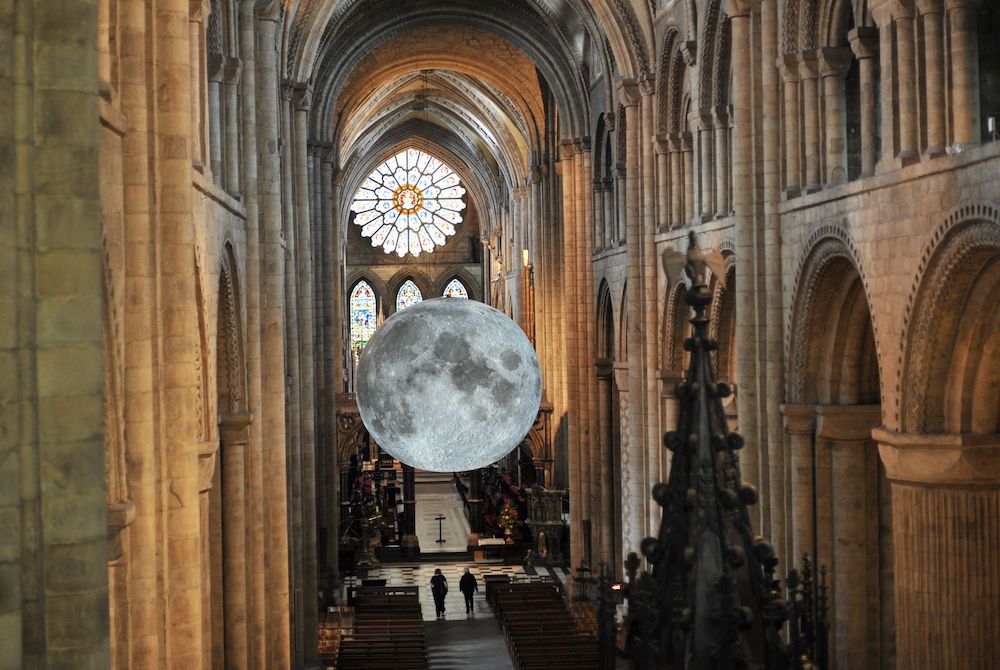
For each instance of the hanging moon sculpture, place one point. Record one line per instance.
(448, 385)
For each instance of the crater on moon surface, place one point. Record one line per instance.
(448, 384)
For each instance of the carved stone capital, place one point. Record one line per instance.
(799, 419)
(301, 97)
(232, 70)
(942, 459)
(738, 8)
(864, 42)
(628, 89)
(808, 65)
(834, 61)
(235, 428)
(847, 423)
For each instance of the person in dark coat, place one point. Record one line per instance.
(439, 589)
(468, 585)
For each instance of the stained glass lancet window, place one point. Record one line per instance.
(455, 289)
(364, 312)
(410, 204)
(408, 295)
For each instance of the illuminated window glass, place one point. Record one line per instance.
(455, 289)
(364, 312)
(410, 204)
(408, 295)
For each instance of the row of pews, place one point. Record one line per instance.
(539, 629)
(388, 631)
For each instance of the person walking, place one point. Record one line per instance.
(468, 585)
(439, 589)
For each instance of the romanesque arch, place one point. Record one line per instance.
(944, 461)
(950, 367)
(840, 497)
(224, 503)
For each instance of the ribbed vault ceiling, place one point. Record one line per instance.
(477, 83)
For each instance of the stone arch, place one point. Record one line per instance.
(605, 322)
(832, 348)
(230, 365)
(663, 74)
(621, 354)
(949, 367)
(675, 328)
(223, 505)
(722, 326)
(828, 243)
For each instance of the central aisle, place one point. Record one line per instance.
(463, 643)
(436, 494)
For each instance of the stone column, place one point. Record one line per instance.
(800, 425)
(410, 543)
(605, 442)
(771, 268)
(864, 43)
(140, 332)
(688, 151)
(179, 391)
(215, 66)
(255, 508)
(234, 434)
(706, 198)
(662, 186)
(670, 408)
(809, 74)
(854, 488)
(231, 77)
(633, 452)
(609, 213)
(272, 323)
(933, 52)
(650, 305)
(676, 182)
(722, 161)
(332, 321)
(833, 66)
(964, 42)
(906, 87)
(196, 66)
(790, 117)
(746, 321)
(302, 98)
(946, 539)
(620, 217)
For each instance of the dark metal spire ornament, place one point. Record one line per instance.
(710, 599)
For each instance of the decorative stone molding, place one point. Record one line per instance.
(943, 253)
(943, 459)
(823, 246)
(847, 423)
(798, 419)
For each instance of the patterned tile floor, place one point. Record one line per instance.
(419, 574)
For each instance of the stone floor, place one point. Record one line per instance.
(436, 494)
(463, 641)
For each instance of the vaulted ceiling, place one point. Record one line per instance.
(489, 85)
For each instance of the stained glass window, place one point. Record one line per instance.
(409, 204)
(364, 312)
(455, 289)
(408, 295)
